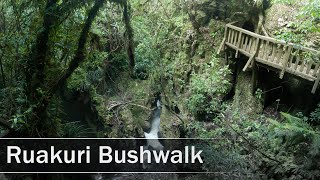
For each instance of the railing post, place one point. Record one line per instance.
(290, 53)
(285, 61)
(253, 56)
(254, 78)
(222, 46)
(316, 83)
(238, 44)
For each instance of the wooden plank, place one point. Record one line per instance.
(222, 45)
(278, 56)
(246, 43)
(297, 60)
(253, 56)
(302, 65)
(263, 48)
(268, 63)
(232, 35)
(316, 83)
(315, 69)
(245, 53)
(243, 41)
(260, 48)
(256, 35)
(285, 61)
(309, 67)
(296, 63)
(273, 52)
(269, 38)
(268, 49)
(268, 52)
(254, 67)
(238, 44)
(248, 63)
(250, 44)
(291, 62)
(236, 38)
(225, 32)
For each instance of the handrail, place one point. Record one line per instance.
(281, 55)
(271, 39)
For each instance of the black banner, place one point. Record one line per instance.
(98, 155)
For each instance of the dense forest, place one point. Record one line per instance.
(95, 68)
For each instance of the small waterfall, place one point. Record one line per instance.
(153, 135)
(152, 143)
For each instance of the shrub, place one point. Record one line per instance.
(208, 88)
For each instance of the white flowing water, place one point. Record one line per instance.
(153, 136)
(153, 143)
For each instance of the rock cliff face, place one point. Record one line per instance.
(244, 102)
(221, 10)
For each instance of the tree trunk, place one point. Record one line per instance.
(260, 22)
(80, 53)
(2, 73)
(35, 72)
(130, 50)
(38, 93)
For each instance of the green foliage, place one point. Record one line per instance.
(259, 94)
(173, 57)
(289, 2)
(220, 155)
(90, 74)
(223, 160)
(315, 116)
(208, 87)
(286, 148)
(146, 57)
(75, 130)
(310, 16)
(298, 145)
(289, 36)
(306, 22)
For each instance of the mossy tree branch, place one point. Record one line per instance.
(38, 93)
(129, 31)
(79, 56)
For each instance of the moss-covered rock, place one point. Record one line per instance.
(244, 102)
(126, 109)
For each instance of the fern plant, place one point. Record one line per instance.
(315, 116)
(298, 145)
(75, 130)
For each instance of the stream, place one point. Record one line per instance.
(152, 143)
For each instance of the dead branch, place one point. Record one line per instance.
(118, 104)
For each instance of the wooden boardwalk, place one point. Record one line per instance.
(281, 56)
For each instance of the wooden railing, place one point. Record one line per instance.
(285, 57)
